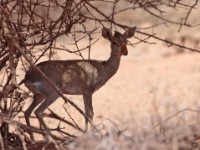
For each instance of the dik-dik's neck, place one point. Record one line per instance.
(113, 62)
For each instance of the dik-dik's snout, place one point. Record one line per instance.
(124, 50)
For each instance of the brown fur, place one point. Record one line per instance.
(78, 77)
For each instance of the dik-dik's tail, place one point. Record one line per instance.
(10, 88)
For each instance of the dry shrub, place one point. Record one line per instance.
(30, 31)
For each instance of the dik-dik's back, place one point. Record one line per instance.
(75, 77)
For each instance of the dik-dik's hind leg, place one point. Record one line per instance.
(87, 97)
(50, 98)
(37, 98)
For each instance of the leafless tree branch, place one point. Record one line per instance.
(30, 30)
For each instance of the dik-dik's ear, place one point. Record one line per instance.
(106, 33)
(130, 32)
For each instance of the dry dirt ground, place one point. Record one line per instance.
(154, 85)
(154, 93)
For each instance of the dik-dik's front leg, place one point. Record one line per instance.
(87, 97)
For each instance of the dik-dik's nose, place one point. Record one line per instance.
(124, 50)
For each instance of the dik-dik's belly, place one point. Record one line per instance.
(72, 89)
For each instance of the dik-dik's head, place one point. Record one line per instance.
(118, 39)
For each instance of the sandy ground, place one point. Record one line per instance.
(153, 82)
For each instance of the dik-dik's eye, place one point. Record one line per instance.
(115, 43)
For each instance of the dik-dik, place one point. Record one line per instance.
(75, 77)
